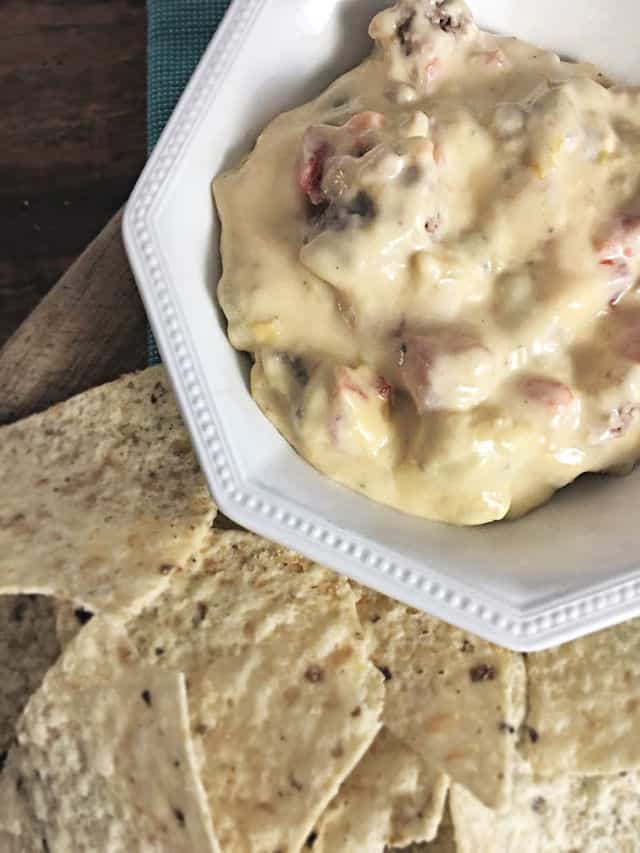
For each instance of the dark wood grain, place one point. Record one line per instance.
(72, 135)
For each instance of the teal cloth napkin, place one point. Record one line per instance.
(178, 33)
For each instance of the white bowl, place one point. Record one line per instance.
(562, 571)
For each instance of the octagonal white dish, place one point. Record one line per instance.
(569, 568)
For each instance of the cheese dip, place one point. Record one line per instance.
(434, 265)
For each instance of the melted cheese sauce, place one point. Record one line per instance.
(435, 266)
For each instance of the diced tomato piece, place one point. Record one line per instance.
(548, 392)
(621, 419)
(622, 243)
(320, 143)
(358, 420)
(383, 388)
(312, 171)
(616, 251)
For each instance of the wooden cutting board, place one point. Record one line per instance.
(89, 329)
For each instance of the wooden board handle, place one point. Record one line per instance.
(89, 329)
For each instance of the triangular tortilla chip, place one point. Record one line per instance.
(454, 698)
(28, 647)
(104, 760)
(391, 797)
(101, 497)
(584, 704)
(283, 698)
(560, 815)
(533, 822)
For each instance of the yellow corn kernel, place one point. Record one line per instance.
(266, 332)
(543, 166)
(538, 169)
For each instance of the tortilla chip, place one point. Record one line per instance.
(563, 815)
(103, 653)
(533, 822)
(584, 704)
(604, 814)
(101, 497)
(28, 647)
(105, 763)
(283, 699)
(444, 842)
(13, 844)
(391, 797)
(70, 620)
(475, 826)
(454, 698)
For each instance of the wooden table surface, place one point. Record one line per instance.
(72, 135)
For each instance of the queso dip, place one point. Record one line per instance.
(434, 265)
